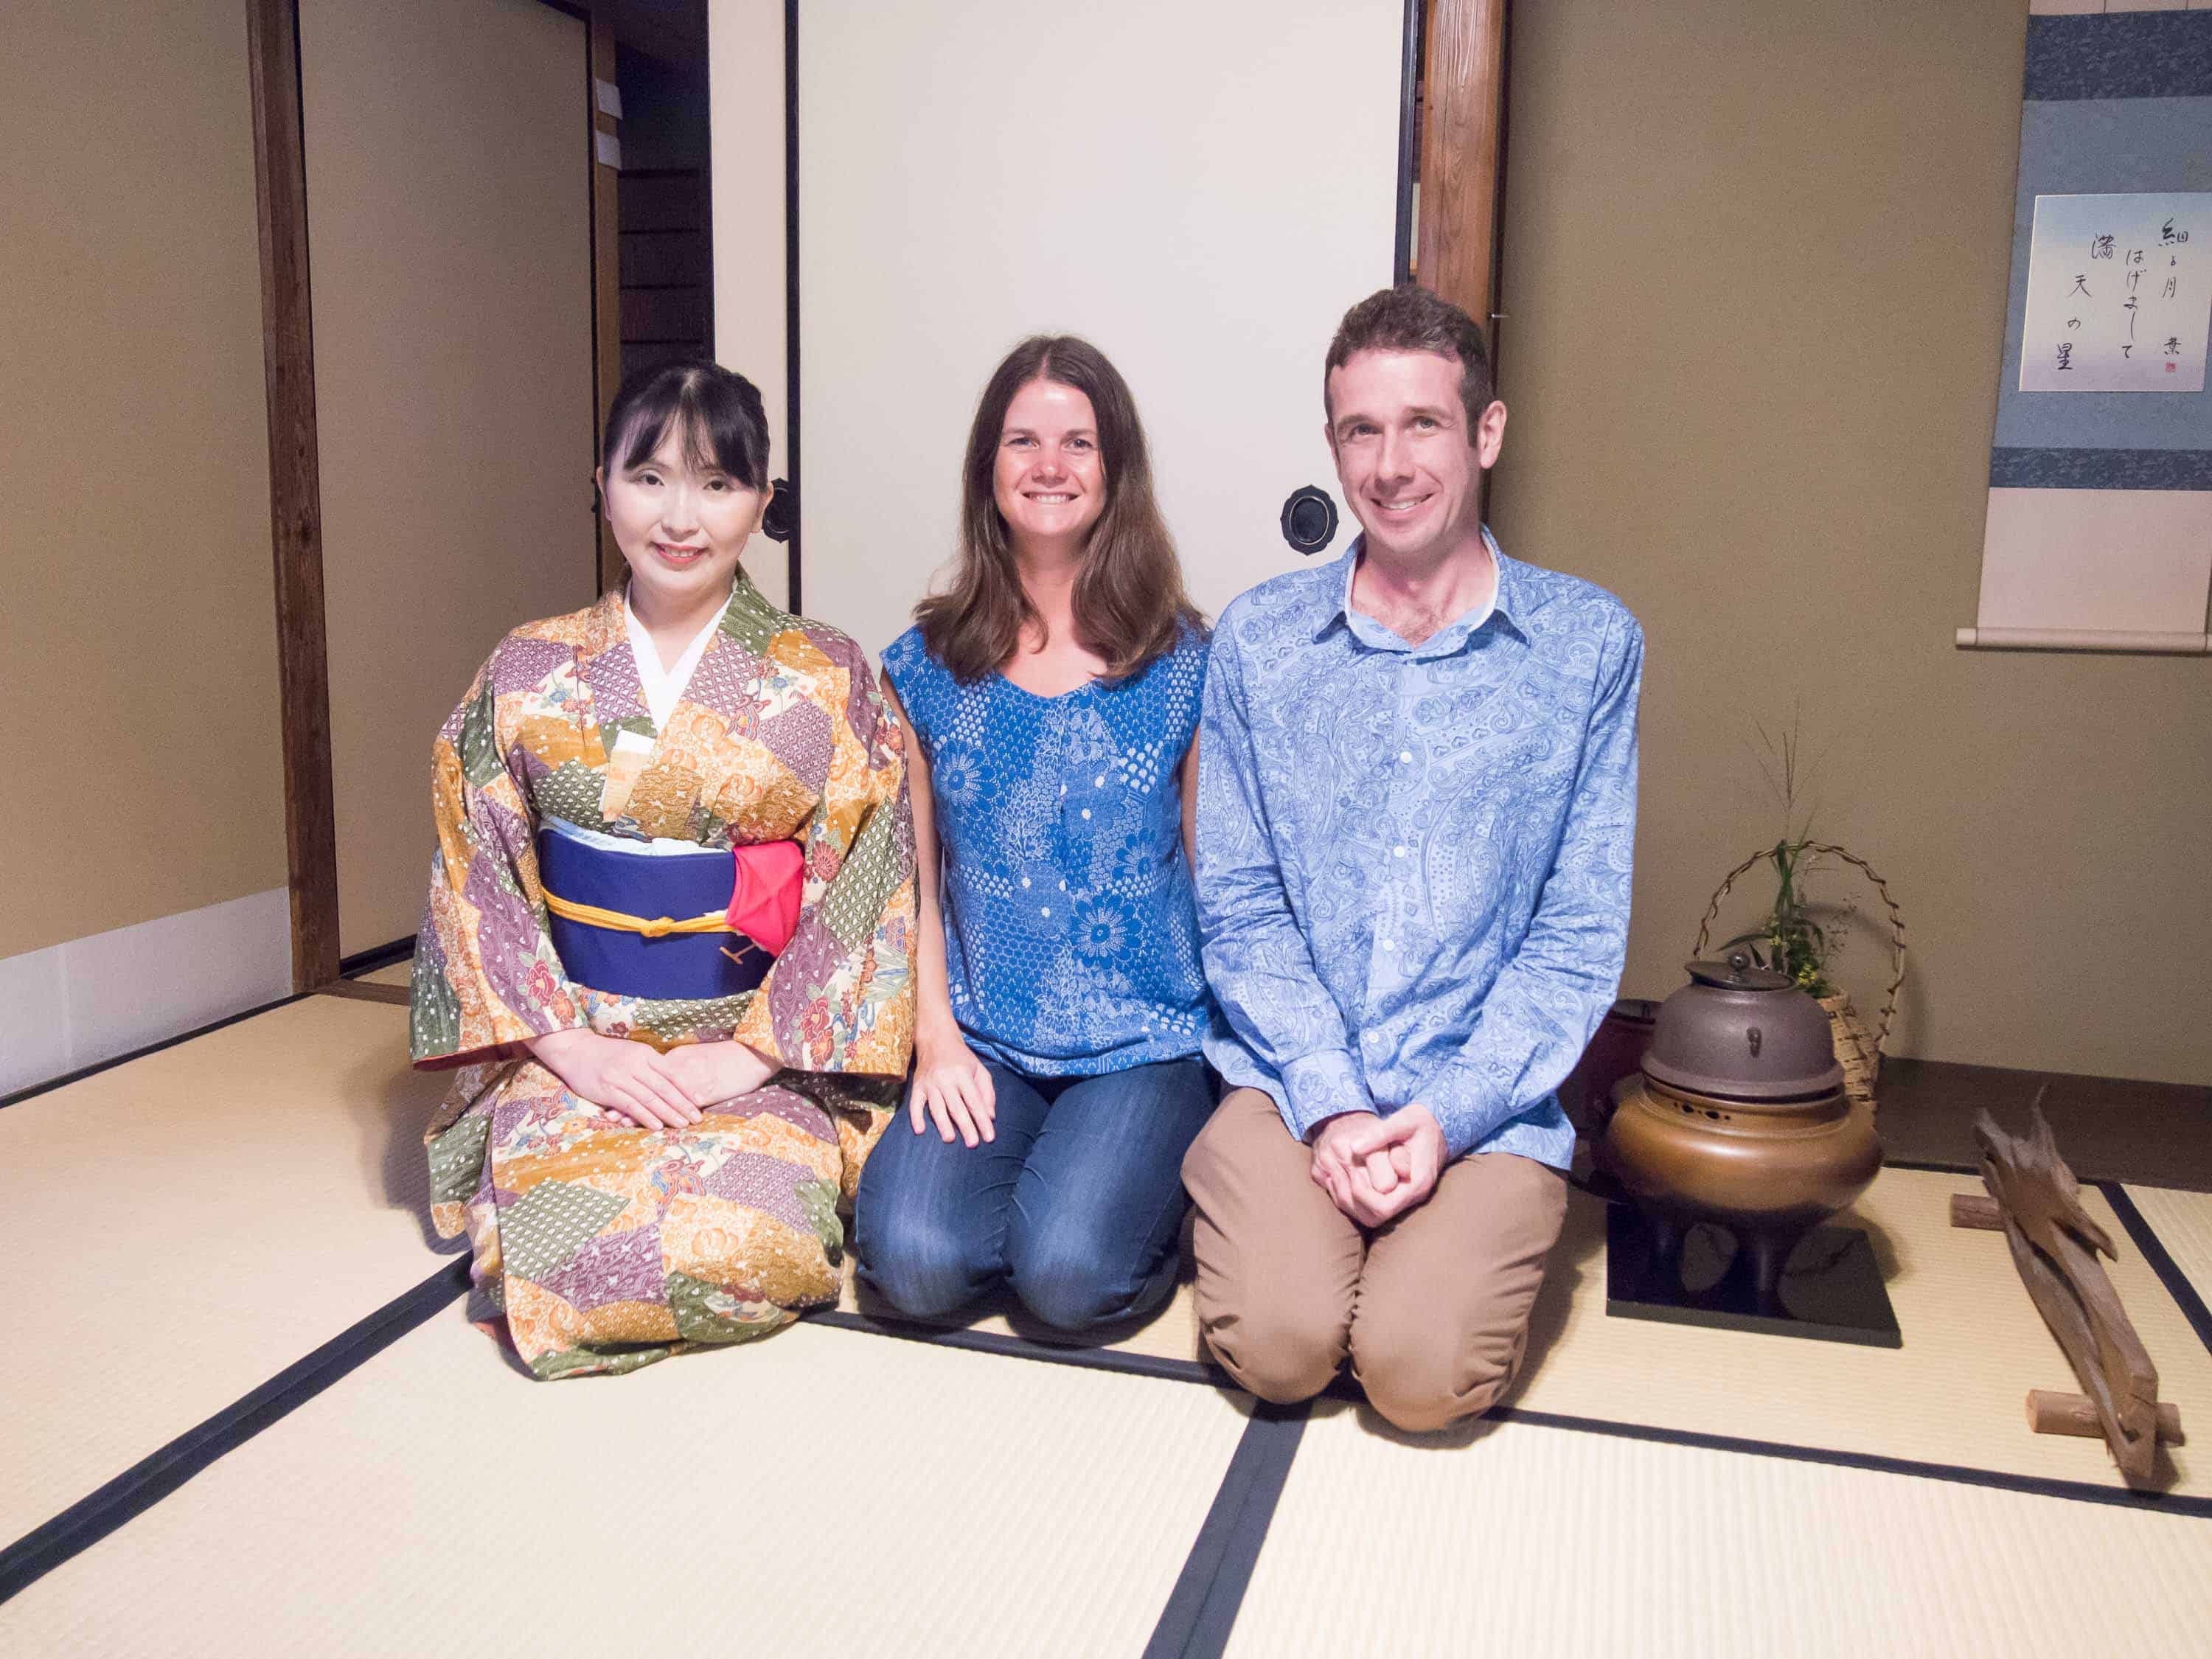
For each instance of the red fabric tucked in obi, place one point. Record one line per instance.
(764, 901)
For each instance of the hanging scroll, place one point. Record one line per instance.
(2099, 536)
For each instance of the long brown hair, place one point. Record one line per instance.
(1129, 601)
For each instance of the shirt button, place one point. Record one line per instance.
(1046, 911)
(1388, 945)
(1397, 852)
(1405, 757)
(1025, 881)
(1086, 812)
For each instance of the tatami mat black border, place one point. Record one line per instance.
(2161, 1261)
(139, 1488)
(2085, 1491)
(1345, 1387)
(1020, 1347)
(1202, 1608)
(95, 1070)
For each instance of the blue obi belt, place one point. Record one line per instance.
(663, 926)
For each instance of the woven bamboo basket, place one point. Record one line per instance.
(1858, 1051)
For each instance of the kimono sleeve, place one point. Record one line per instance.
(840, 996)
(486, 975)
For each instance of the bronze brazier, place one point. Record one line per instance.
(1738, 1118)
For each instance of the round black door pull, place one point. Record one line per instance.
(782, 515)
(1309, 519)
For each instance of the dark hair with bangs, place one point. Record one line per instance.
(718, 412)
(1412, 319)
(1129, 602)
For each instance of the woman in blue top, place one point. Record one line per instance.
(1051, 693)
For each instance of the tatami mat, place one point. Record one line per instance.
(398, 973)
(1529, 1542)
(1955, 1393)
(180, 1228)
(822, 1492)
(2183, 1222)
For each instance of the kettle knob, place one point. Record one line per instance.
(1739, 961)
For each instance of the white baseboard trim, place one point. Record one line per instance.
(76, 1004)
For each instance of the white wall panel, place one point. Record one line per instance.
(88, 1000)
(1199, 188)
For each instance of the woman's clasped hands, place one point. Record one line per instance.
(651, 1089)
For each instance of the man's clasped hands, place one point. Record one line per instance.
(1374, 1168)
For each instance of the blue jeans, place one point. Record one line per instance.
(1078, 1202)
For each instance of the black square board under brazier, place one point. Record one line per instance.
(1831, 1288)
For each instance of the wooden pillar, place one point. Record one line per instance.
(607, 262)
(1462, 153)
(295, 514)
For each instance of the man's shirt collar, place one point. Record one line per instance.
(1336, 607)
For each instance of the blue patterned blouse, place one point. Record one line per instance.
(1071, 939)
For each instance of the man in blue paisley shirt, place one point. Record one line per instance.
(1416, 818)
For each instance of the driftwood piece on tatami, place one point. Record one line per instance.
(2055, 1244)
(2050, 1413)
(1977, 1210)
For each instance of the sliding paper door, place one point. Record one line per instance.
(1198, 190)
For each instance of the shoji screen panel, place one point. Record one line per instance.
(745, 69)
(1199, 188)
(449, 225)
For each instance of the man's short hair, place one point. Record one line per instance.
(1413, 319)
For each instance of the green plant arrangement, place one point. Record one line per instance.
(1792, 939)
(1789, 940)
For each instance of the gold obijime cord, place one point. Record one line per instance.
(592, 915)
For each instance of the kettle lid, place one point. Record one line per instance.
(1739, 973)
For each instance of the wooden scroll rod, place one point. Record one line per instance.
(2083, 639)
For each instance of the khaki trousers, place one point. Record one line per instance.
(1432, 1308)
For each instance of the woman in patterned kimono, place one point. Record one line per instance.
(670, 924)
(1051, 696)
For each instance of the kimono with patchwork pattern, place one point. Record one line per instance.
(607, 1246)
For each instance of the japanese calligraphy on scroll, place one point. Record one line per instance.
(2119, 294)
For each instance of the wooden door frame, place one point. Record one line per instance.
(1462, 141)
(272, 32)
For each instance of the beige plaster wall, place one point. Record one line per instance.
(1754, 284)
(449, 228)
(137, 636)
